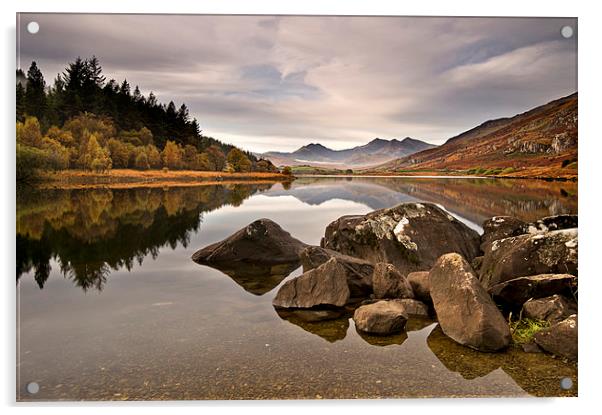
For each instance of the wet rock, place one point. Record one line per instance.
(464, 309)
(560, 339)
(261, 242)
(553, 309)
(411, 236)
(387, 282)
(500, 227)
(331, 330)
(421, 285)
(515, 292)
(383, 317)
(553, 223)
(359, 271)
(322, 286)
(530, 254)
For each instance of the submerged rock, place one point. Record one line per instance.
(560, 339)
(530, 254)
(387, 282)
(553, 309)
(359, 272)
(411, 236)
(322, 286)
(330, 329)
(465, 311)
(382, 318)
(257, 279)
(515, 292)
(261, 242)
(421, 285)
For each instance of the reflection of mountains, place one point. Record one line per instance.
(473, 199)
(91, 231)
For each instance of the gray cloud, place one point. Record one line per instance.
(265, 82)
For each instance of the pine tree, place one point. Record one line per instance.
(35, 94)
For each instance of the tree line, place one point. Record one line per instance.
(83, 121)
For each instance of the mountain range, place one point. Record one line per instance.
(541, 142)
(376, 152)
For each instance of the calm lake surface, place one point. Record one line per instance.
(110, 306)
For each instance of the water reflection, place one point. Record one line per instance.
(90, 232)
(331, 326)
(257, 279)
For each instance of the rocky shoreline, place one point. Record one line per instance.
(417, 260)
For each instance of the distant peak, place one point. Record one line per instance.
(378, 140)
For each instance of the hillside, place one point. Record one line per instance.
(375, 152)
(541, 142)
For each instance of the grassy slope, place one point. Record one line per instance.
(494, 145)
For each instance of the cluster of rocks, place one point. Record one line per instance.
(415, 259)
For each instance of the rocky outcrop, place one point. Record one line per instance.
(261, 242)
(530, 254)
(515, 292)
(553, 309)
(465, 311)
(500, 227)
(382, 318)
(560, 339)
(387, 282)
(421, 285)
(359, 272)
(322, 286)
(411, 236)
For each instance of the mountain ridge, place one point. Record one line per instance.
(372, 153)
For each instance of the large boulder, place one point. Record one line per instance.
(359, 271)
(464, 309)
(421, 285)
(553, 309)
(322, 286)
(530, 254)
(411, 236)
(388, 282)
(261, 242)
(515, 292)
(553, 223)
(382, 318)
(500, 227)
(560, 339)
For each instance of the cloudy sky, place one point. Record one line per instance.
(279, 82)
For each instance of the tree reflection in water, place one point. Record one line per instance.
(90, 232)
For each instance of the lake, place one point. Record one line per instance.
(110, 306)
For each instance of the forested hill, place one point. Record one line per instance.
(121, 119)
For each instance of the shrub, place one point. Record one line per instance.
(287, 171)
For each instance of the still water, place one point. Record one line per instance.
(110, 306)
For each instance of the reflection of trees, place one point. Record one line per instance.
(91, 231)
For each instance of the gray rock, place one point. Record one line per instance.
(387, 282)
(515, 292)
(421, 285)
(382, 318)
(411, 236)
(530, 254)
(560, 339)
(553, 309)
(359, 271)
(500, 227)
(553, 223)
(465, 311)
(322, 286)
(261, 242)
